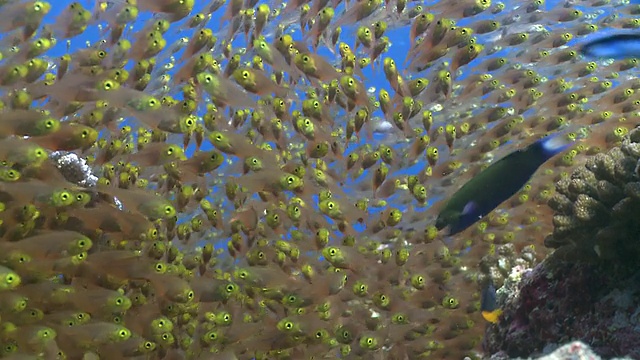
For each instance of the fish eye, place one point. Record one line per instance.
(161, 323)
(148, 345)
(9, 278)
(168, 210)
(190, 295)
(245, 74)
(231, 288)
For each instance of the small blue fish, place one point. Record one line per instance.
(489, 305)
(619, 46)
(480, 195)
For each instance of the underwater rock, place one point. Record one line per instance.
(559, 301)
(74, 168)
(575, 350)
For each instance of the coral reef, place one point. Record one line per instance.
(590, 287)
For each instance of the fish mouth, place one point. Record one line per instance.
(442, 222)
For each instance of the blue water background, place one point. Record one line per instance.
(373, 78)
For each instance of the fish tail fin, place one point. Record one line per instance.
(492, 316)
(555, 144)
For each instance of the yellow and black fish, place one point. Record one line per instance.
(488, 305)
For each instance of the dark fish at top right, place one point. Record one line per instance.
(618, 46)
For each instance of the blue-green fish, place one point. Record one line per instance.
(480, 195)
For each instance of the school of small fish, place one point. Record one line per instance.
(252, 195)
